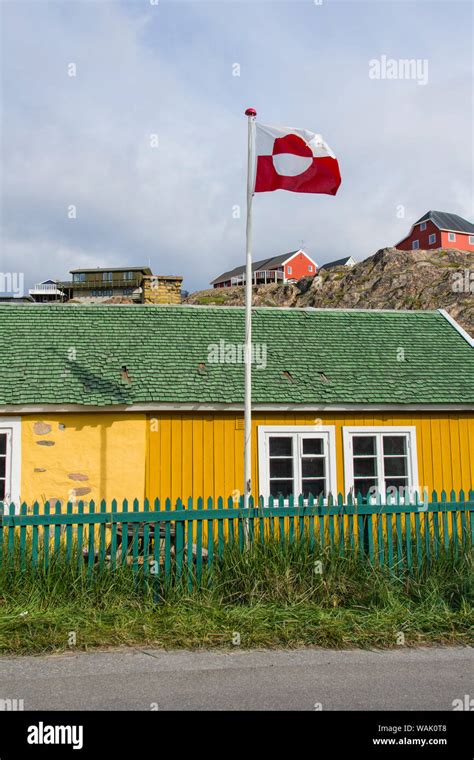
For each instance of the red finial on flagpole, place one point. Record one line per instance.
(250, 112)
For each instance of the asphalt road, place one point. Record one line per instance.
(305, 679)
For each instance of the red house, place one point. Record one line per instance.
(437, 229)
(289, 267)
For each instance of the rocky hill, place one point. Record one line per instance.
(391, 279)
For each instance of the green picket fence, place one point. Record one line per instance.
(170, 542)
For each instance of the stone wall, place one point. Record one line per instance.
(161, 289)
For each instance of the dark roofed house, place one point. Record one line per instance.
(347, 261)
(438, 229)
(288, 267)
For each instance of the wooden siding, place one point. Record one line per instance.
(202, 454)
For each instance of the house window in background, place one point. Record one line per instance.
(422, 226)
(380, 458)
(415, 245)
(106, 276)
(296, 460)
(452, 237)
(432, 239)
(79, 277)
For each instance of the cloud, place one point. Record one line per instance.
(166, 70)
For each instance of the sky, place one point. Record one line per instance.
(132, 113)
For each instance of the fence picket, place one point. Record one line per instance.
(91, 539)
(23, 511)
(46, 537)
(69, 534)
(103, 509)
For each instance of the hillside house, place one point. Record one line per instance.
(438, 229)
(289, 267)
(347, 261)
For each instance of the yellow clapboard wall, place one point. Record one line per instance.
(201, 454)
(131, 455)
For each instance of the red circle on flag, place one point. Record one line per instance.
(292, 144)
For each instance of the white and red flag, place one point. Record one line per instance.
(294, 159)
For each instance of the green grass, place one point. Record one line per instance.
(269, 596)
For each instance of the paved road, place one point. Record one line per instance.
(131, 679)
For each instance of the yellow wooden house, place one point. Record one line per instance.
(103, 402)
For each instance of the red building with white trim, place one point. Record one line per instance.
(438, 229)
(289, 267)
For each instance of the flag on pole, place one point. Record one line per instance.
(294, 159)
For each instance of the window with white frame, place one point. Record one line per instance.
(10, 458)
(290, 270)
(422, 226)
(380, 459)
(452, 237)
(296, 460)
(415, 245)
(106, 276)
(310, 267)
(432, 238)
(471, 239)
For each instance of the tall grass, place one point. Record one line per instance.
(272, 594)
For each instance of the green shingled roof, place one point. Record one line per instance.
(65, 354)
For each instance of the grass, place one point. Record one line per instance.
(269, 596)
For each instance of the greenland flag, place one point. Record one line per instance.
(295, 160)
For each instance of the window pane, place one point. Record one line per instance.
(365, 466)
(281, 488)
(315, 487)
(394, 444)
(395, 466)
(2, 490)
(363, 445)
(362, 485)
(313, 446)
(3, 443)
(281, 468)
(3, 462)
(396, 483)
(281, 447)
(312, 467)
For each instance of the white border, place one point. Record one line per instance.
(14, 425)
(457, 327)
(349, 430)
(329, 430)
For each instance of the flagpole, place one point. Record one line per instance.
(251, 114)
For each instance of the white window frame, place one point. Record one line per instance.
(289, 270)
(327, 432)
(12, 426)
(415, 245)
(422, 226)
(432, 238)
(370, 430)
(471, 239)
(310, 267)
(451, 237)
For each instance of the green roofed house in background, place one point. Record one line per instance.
(143, 400)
